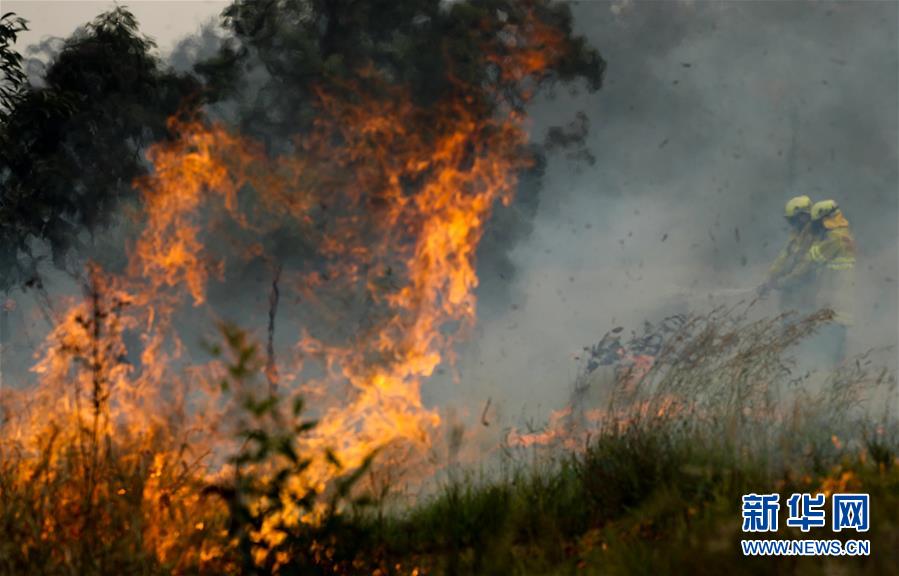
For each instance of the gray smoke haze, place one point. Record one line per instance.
(712, 115)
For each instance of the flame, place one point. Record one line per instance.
(433, 236)
(203, 162)
(395, 197)
(572, 426)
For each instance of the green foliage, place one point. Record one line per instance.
(432, 48)
(639, 501)
(658, 491)
(69, 149)
(260, 494)
(13, 78)
(657, 496)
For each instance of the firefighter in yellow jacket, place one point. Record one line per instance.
(832, 256)
(790, 275)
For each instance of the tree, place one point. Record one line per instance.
(13, 79)
(70, 149)
(428, 46)
(282, 52)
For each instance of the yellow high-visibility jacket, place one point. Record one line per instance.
(833, 254)
(789, 268)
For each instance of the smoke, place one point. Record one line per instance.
(712, 115)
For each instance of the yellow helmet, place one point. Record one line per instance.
(823, 209)
(796, 205)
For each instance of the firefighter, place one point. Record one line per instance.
(832, 257)
(790, 274)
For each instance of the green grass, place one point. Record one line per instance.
(641, 501)
(654, 491)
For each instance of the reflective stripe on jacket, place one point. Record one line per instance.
(833, 256)
(788, 269)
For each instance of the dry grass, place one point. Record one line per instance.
(722, 411)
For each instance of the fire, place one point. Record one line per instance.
(203, 162)
(395, 197)
(461, 176)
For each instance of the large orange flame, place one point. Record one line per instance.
(408, 190)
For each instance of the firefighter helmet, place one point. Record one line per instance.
(823, 209)
(796, 205)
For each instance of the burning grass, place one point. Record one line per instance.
(651, 481)
(647, 490)
(727, 372)
(394, 196)
(132, 454)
